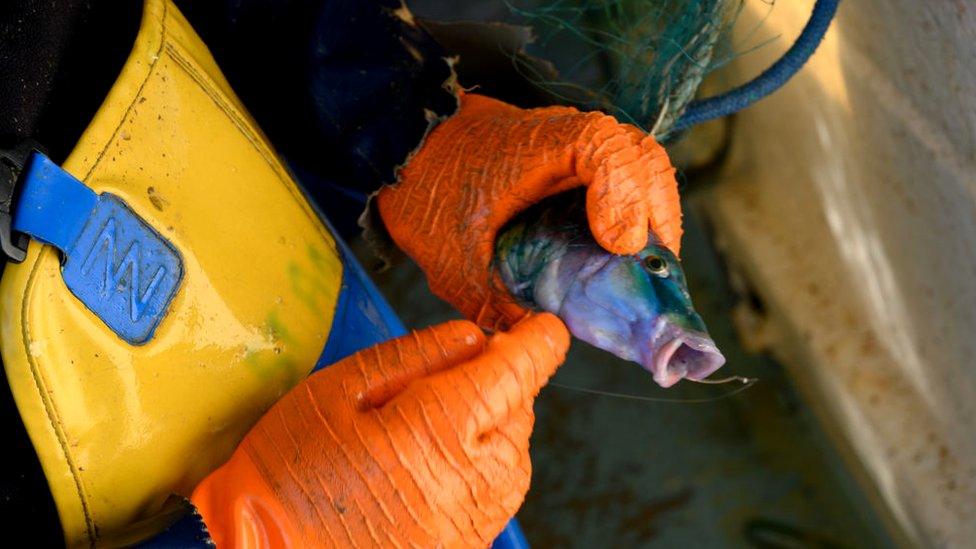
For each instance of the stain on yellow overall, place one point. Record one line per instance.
(119, 428)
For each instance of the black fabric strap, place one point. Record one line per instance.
(57, 62)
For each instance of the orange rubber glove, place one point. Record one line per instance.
(490, 161)
(418, 442)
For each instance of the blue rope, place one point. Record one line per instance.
(771, 79)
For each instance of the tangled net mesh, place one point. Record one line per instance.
(640, 60)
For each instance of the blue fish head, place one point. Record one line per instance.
(636, 307)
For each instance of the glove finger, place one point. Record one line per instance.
(482, 392)
(662, 196)
(504, 457)
(442, 413)
(375, 375)
(617, 213)
(436, 467)
(507, 444)
(617, 199)
(633, 190)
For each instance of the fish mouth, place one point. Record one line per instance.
(678, 353)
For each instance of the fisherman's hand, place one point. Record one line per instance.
(490, 161)
(418, 442)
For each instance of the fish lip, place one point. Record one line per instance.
(669, 340)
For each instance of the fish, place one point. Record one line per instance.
(636, 307)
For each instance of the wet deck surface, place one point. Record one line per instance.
(750, 469)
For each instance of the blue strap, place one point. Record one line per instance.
(115, 263)
(771, 79)
(53, 206)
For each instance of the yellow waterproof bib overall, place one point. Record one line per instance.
(119, 427)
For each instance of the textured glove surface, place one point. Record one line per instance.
(418, 442)
(491, 160)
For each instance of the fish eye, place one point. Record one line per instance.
(656, 265)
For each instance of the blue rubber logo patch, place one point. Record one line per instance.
(123, 270)
(115, 263)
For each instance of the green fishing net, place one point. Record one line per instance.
(640, 60)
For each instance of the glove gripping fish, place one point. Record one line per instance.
(636, 307)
